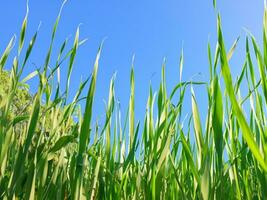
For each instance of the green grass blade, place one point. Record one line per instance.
(85, 130)
(246, 132)
(131, 107)
(6, 53)
(23, 30)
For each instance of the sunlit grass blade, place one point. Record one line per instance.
(246, 132)
(85, 131)
(72, 57)
(131, 107)
(197, 128)
(217, 120)
(6, 53)
(48, 56)
(23, 30)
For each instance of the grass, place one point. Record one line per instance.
(46, 154)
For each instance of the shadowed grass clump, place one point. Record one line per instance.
(46, 154)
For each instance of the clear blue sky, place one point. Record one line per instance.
(150, 29)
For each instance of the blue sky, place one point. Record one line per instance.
(151, 29)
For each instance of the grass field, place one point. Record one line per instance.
(46, 154)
